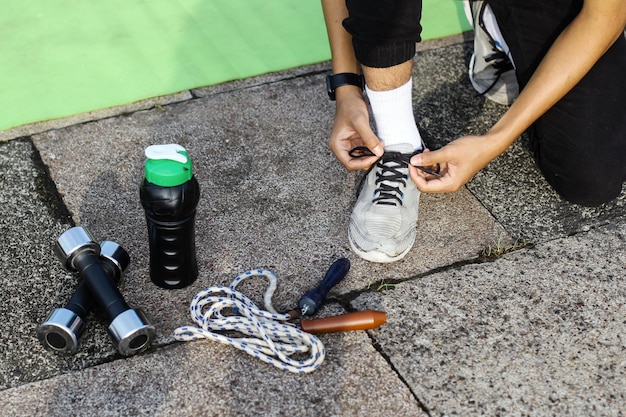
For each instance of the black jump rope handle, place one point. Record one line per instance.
(313, 299)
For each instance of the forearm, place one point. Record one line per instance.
(571, 56)
(351, 127)
(341, 49)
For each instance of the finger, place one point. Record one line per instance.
(428, 183)
(352, 164)
(430, 158)
(370, 139)
(356, 164)
(417, 172)
(436, 185)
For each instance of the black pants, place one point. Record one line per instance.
(580, 143)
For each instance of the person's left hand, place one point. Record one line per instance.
(459, 161)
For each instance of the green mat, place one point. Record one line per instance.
(63, 57)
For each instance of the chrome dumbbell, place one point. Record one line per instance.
(63, 328)
(129, 328)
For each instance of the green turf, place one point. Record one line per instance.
(64, 57)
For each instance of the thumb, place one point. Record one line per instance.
(428, 158)
(371, 140)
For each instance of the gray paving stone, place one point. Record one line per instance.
(272, 195)
(539, 331)
(208, 379)
(32, 281)
(513, 189)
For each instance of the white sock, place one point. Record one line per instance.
(393, 113)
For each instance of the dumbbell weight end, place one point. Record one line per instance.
(62, 330)
(130, 330)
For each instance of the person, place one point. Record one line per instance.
(559, 64)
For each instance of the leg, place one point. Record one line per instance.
(580, 143)
(384, 34)
(383, 222)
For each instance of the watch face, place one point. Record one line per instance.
(329, 88)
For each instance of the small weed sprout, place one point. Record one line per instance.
(382, 286)
(501, 247)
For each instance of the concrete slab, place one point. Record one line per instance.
(165, 381)
(32, 282)
(536, 332)
(514, 191)
(204, 378)
(273, 195)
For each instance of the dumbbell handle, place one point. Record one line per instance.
(106, 294)
(82, 302)
(130, 329)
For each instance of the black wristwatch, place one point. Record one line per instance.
(345, 78)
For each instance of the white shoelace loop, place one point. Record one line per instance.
(272, 338)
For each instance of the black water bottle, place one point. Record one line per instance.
(169, 195)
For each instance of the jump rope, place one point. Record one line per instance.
(270, 336)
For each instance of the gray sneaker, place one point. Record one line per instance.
(384, 219)
(491, 72)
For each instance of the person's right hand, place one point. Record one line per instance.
(352, 129)
(459, 160)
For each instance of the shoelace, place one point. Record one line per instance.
(270, 340)
(403, 160)
(389, 194)
(388, 172)
(501, 62)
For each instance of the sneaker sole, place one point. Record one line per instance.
(378, 257)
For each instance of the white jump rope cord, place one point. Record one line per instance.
(271, 341)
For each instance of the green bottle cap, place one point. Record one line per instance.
(167, 165)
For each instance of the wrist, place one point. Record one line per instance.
(345, 92)
(496, 141)
(513, 123)
(335, 82)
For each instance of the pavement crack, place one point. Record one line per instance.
(46, 188)
(386, 357)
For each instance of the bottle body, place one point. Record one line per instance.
(170, 216)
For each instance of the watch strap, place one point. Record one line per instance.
(335, 81)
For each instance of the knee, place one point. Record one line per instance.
(584, 182)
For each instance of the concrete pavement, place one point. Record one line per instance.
(538, 330)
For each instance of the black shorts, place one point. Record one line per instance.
(580, 143)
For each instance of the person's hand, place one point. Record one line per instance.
(352, 129)
(459, 161)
